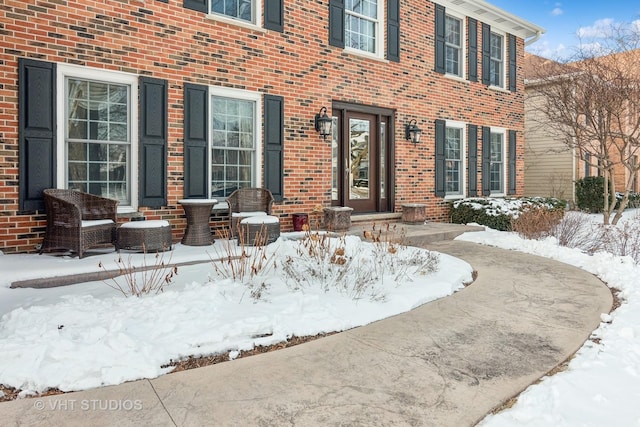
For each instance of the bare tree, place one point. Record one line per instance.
(593, 104)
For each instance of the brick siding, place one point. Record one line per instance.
(166, 41)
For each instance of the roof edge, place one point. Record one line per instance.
(494, 16)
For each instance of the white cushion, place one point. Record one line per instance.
(261, 219)
(94, 222)
(247, 214)
(156, 223)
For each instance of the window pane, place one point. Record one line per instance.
(239, 9)
(361, 20)
(496, 62)
(453, 160)
(233, 145)
(496, 170)
(97, 113)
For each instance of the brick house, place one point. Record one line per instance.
(150, 102)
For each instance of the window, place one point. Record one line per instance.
(362, 25)
(496, 64)
(98, 150)
(234, 140)
(496, 168)
(453, 45)
(454, 159)
(242, 10)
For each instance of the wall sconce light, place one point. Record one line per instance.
(323, 123)
(412, 132)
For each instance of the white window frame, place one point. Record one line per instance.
(256, 98)
(503, 71)
(463, 160)
(463, 44)
(98, 75)
(254, 24)
(380, 25)
(505, 178)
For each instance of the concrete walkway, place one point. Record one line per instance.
(446, 363)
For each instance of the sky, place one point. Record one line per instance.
(67, 337)
(563, 21)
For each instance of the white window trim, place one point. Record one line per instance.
(256, 97)
(505, 178)
(100, 75)
(504, 59)
(380, 34)
(463, 154)
(254, 25)
(463, 47)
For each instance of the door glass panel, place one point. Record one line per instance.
(383, 148)
(335, 177)
(359, 159)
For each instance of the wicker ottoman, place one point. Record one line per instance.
(237, 217)
(259, 230)
(144, 236)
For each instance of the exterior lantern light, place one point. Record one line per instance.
(412, 132)
(323, 123)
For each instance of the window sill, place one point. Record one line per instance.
(236, 22)
(366, 55)
(456, 78)
(454, 197)
(499, 89)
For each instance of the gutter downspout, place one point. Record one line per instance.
(533, 39)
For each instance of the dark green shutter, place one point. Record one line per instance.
(486, 54)
(440, 39)
(512, 162)
(440, 163)
(512, 63)
(274, 145)
(486, 160)
(199, 5)
(36, 131)
(472, 64)
(393, 30)
(195, 141)
(472, 160)
(153, 142)
(274, 15)
(336, 23)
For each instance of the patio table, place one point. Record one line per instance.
(198, 213)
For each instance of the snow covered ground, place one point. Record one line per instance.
(601, 386)
(88, 335)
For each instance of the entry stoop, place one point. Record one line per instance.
(416, 234)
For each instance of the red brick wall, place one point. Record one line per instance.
(166, 41)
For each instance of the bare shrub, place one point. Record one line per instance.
(323, 259)
(536, 223)
(142, 280)
(623, 239)
(577, 230)
(243, 263)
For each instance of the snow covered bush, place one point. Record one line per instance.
(498, 213)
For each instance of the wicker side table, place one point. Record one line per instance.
(259, 230)
(198, 213)
(144, 236)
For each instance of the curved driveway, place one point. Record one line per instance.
(447, 363)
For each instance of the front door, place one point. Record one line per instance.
(361, 161)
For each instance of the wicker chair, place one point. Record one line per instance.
(78, 221)
(248, 201)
